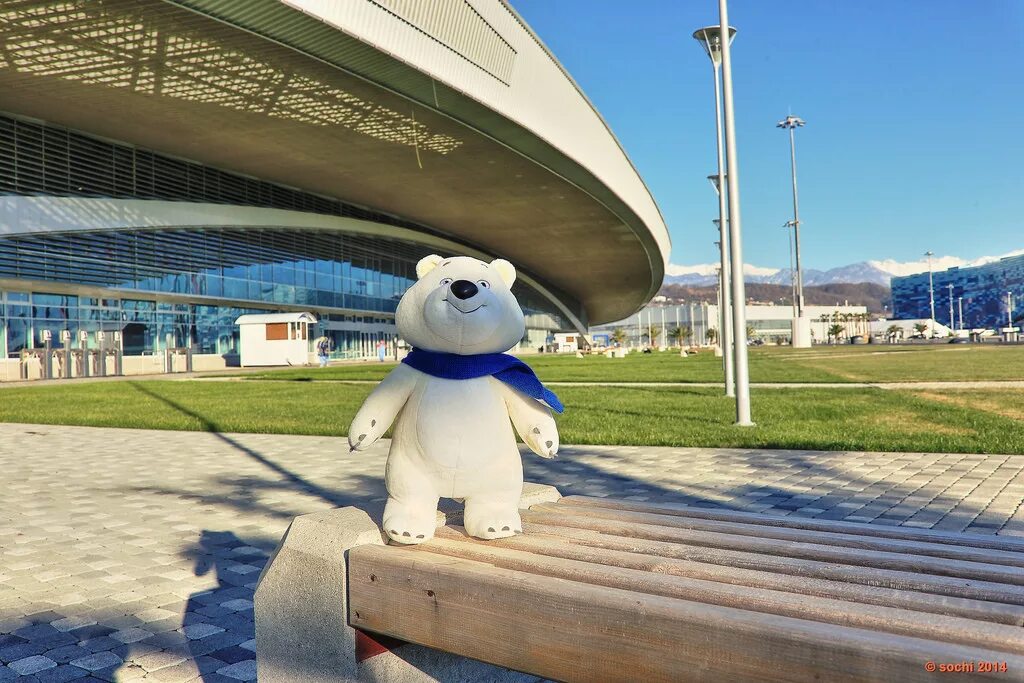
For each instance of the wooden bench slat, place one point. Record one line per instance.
(906, 533)
(823, 609)
(753, 528)
(574, 631)
(748, 569)
(870, 558)
(762, 558)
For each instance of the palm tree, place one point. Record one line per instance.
(835, 330)
(619, 336)
(651, 335)
(677, 334)
(892, 332)
(921, 328)
(712, 335)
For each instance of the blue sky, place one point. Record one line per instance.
(914, 110)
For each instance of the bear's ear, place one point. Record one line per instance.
(505, 269)
(427, 264)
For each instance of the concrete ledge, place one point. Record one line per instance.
(301, 609)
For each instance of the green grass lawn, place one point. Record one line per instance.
(944, 362)
(805, 418)
(843, 363)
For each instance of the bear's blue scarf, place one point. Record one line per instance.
(501, 366)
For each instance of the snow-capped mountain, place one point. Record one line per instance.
(857, 272)
(878, 272)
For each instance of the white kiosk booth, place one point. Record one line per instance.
(275, 338)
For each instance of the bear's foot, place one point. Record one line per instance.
(491, 523)
(409, 529)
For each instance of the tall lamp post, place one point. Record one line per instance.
(664, 335)
(710, 39)
(960, 310)
(791, 123)
(718, 301)
(716, 41)
(725, 313)
(931, 293)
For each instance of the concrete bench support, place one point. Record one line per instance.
(301, 608)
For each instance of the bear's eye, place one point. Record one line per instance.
(484, 283)
(445, 282)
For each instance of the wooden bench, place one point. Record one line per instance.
(612, 590)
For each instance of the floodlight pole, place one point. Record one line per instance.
(952, 323)
(739, 295)
(931, 293)
(960, 310)
(792, 273)
(792, 123)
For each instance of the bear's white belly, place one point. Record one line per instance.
(462, 424)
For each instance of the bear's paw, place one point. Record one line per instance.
(410, 529)
(492, 523)
(543, 439)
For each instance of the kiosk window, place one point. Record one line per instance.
(277, 331)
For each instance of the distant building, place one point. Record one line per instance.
(982, 290)
(772, 324)
(907, 329)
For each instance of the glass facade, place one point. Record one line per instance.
(303, 268)
(179, 287)
(353, 284)
(982, 292)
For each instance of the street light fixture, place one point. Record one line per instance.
(931, 293)
(791, 123)
(713, 40)
(710, 38)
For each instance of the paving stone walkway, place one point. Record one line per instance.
(130, 555)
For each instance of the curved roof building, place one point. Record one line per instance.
(168, 165)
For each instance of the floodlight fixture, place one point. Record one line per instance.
(791, 122)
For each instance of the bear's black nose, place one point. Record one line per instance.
(464, 289)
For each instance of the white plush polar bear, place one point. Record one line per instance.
(452, 437)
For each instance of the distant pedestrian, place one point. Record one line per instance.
(323, 350)
(382, 350)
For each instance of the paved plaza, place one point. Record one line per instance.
(129, 555)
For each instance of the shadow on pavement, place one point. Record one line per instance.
(289, 476)
(218, 621)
